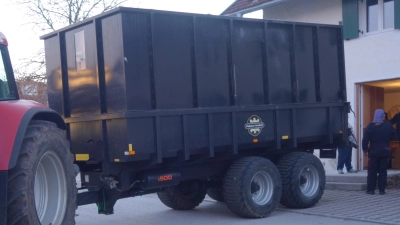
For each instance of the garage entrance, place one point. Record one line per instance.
(383, 94)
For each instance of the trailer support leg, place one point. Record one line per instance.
(107, 200)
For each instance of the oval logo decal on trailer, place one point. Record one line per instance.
(254, 125)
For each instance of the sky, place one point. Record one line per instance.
(23, 42)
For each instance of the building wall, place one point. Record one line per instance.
(308, 11)
(370, 57)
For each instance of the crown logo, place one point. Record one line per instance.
(254, 120)
(254, 125)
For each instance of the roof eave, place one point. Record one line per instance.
(255, 8)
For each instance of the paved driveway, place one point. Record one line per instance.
(335, 207)
(358, 206)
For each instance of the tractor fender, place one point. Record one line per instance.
(15, 117)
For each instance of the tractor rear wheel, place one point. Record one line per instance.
(42, 186)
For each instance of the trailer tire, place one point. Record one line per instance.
(303, 180)
(185, 196)
(252, 187)
(216, 193)
(42, 185)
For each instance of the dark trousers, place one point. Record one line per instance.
(377, 165)
(344, 158)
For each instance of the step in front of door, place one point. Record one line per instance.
(345, 186)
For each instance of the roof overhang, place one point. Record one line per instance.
(255, 8)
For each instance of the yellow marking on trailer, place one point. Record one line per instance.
(285, 137)
(255, 140)
(340, 132)
(116, 160)
(131, 152)
(82, 157)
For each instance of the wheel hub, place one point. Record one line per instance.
(254, 187)
(309, 181)
(261, 188)
(50, 189)
(303, 180)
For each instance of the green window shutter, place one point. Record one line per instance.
(350, 19)
(397, 14)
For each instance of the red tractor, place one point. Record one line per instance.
(37, 176)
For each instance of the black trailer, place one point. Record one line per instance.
(185, 104)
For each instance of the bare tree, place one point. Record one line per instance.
(50, 15)
(33, 68)
(32, 90)
(53, 14)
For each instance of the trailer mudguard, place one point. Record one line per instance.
(14, 120)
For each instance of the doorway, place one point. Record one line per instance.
(382, 94)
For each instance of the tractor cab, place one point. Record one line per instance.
(8, 89)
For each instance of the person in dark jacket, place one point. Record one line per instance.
(396, 120)
(376, 143)
(344, 156)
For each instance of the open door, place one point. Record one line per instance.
(372, 98)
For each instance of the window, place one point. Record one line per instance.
(372, 15)
(363, 16)
(80, 50)
(388, 14)
(380, 15)
(4, 84)
(3, 76)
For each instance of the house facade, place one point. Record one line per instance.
(371, 31)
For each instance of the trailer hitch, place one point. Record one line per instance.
(110, 181)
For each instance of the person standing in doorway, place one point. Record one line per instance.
(376, 145)
(396, 120)
(344, 158)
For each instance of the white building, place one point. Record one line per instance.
(372, 50)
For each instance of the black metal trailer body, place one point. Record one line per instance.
(159, 93)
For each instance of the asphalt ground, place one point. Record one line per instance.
(335, 207)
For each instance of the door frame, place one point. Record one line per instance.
(365, 107)
(358, 124)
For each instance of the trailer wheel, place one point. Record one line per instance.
(252, 187)
(303, 180)
(42, 186)
(216, 193)
(187, 195)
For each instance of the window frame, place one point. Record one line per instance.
(365, 19)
